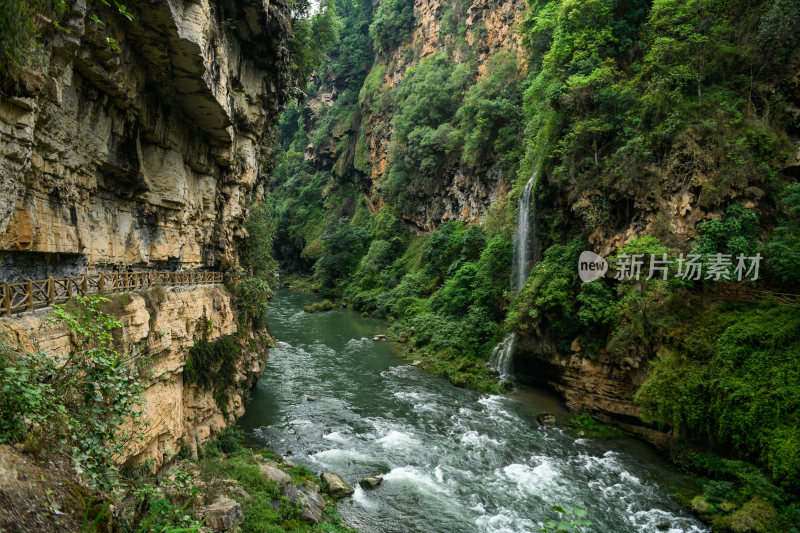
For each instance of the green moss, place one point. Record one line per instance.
(212, 365)
(587, 426)
(318, 307)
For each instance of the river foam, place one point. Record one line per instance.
(452, 460)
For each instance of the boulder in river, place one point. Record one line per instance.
(223, 514)
(379, 337)
(335, 485)
(311, 398)
(370, 482)
(546, 419)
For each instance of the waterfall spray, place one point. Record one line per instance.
(522, 238)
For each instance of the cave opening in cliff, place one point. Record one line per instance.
(16, 266)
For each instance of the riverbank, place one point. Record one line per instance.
(462, 371)
(734, 495)
(451, 458)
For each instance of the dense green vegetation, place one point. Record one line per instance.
(620, 107)
(731, 380)
(75, 404)
(393, 24)
(227, 458)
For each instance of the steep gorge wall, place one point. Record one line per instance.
(622, 146)
(455, 192)
(144, 156)
(159, 328)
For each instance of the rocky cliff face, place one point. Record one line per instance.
(457, 192)
(603, 385)
(159, 328)
(621, 147)
(146, 155)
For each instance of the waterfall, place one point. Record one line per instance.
(502, 357)
(520, 266)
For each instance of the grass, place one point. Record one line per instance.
(462, 372)
(319, 307)
(585, 425)
(264, 509)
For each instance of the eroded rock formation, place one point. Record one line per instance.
(159, 328)
(144, 152)
(145, 156)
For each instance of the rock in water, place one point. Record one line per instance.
(223, 514)
(379, 337)
(308, 499)
(546, 419)
(272, 473)
(370, 482)
(336, 486)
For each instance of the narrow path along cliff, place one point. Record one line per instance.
(451, 459)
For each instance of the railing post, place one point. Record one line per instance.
(50, 291)
(101, 283)
(85, 286)
(126, 277)
(6, 299)
(29, 288)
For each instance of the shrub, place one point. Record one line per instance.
(20, 22)
(731, 378)
(490, 120)
(212, 366)
(318, 307)
(25, 393)
(548, 295)
(252, 299)
(393, 23)
(261, 233)
(783, 248)
(85, 403)
(736, 233)
(342, 249)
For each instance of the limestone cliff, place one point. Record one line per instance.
(159, 328)
(147, 155)
(475, 32)
(144, 153)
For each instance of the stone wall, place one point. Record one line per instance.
(160, 326)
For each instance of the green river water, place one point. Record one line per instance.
(452, 460)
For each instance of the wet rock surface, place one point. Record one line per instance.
(335, 485)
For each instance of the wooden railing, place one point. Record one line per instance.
(743, 293)
(29, 295)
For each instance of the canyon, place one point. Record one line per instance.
(144, 156)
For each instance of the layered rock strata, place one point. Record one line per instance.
(147, 155)
(159, 328)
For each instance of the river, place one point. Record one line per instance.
(452, 460)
